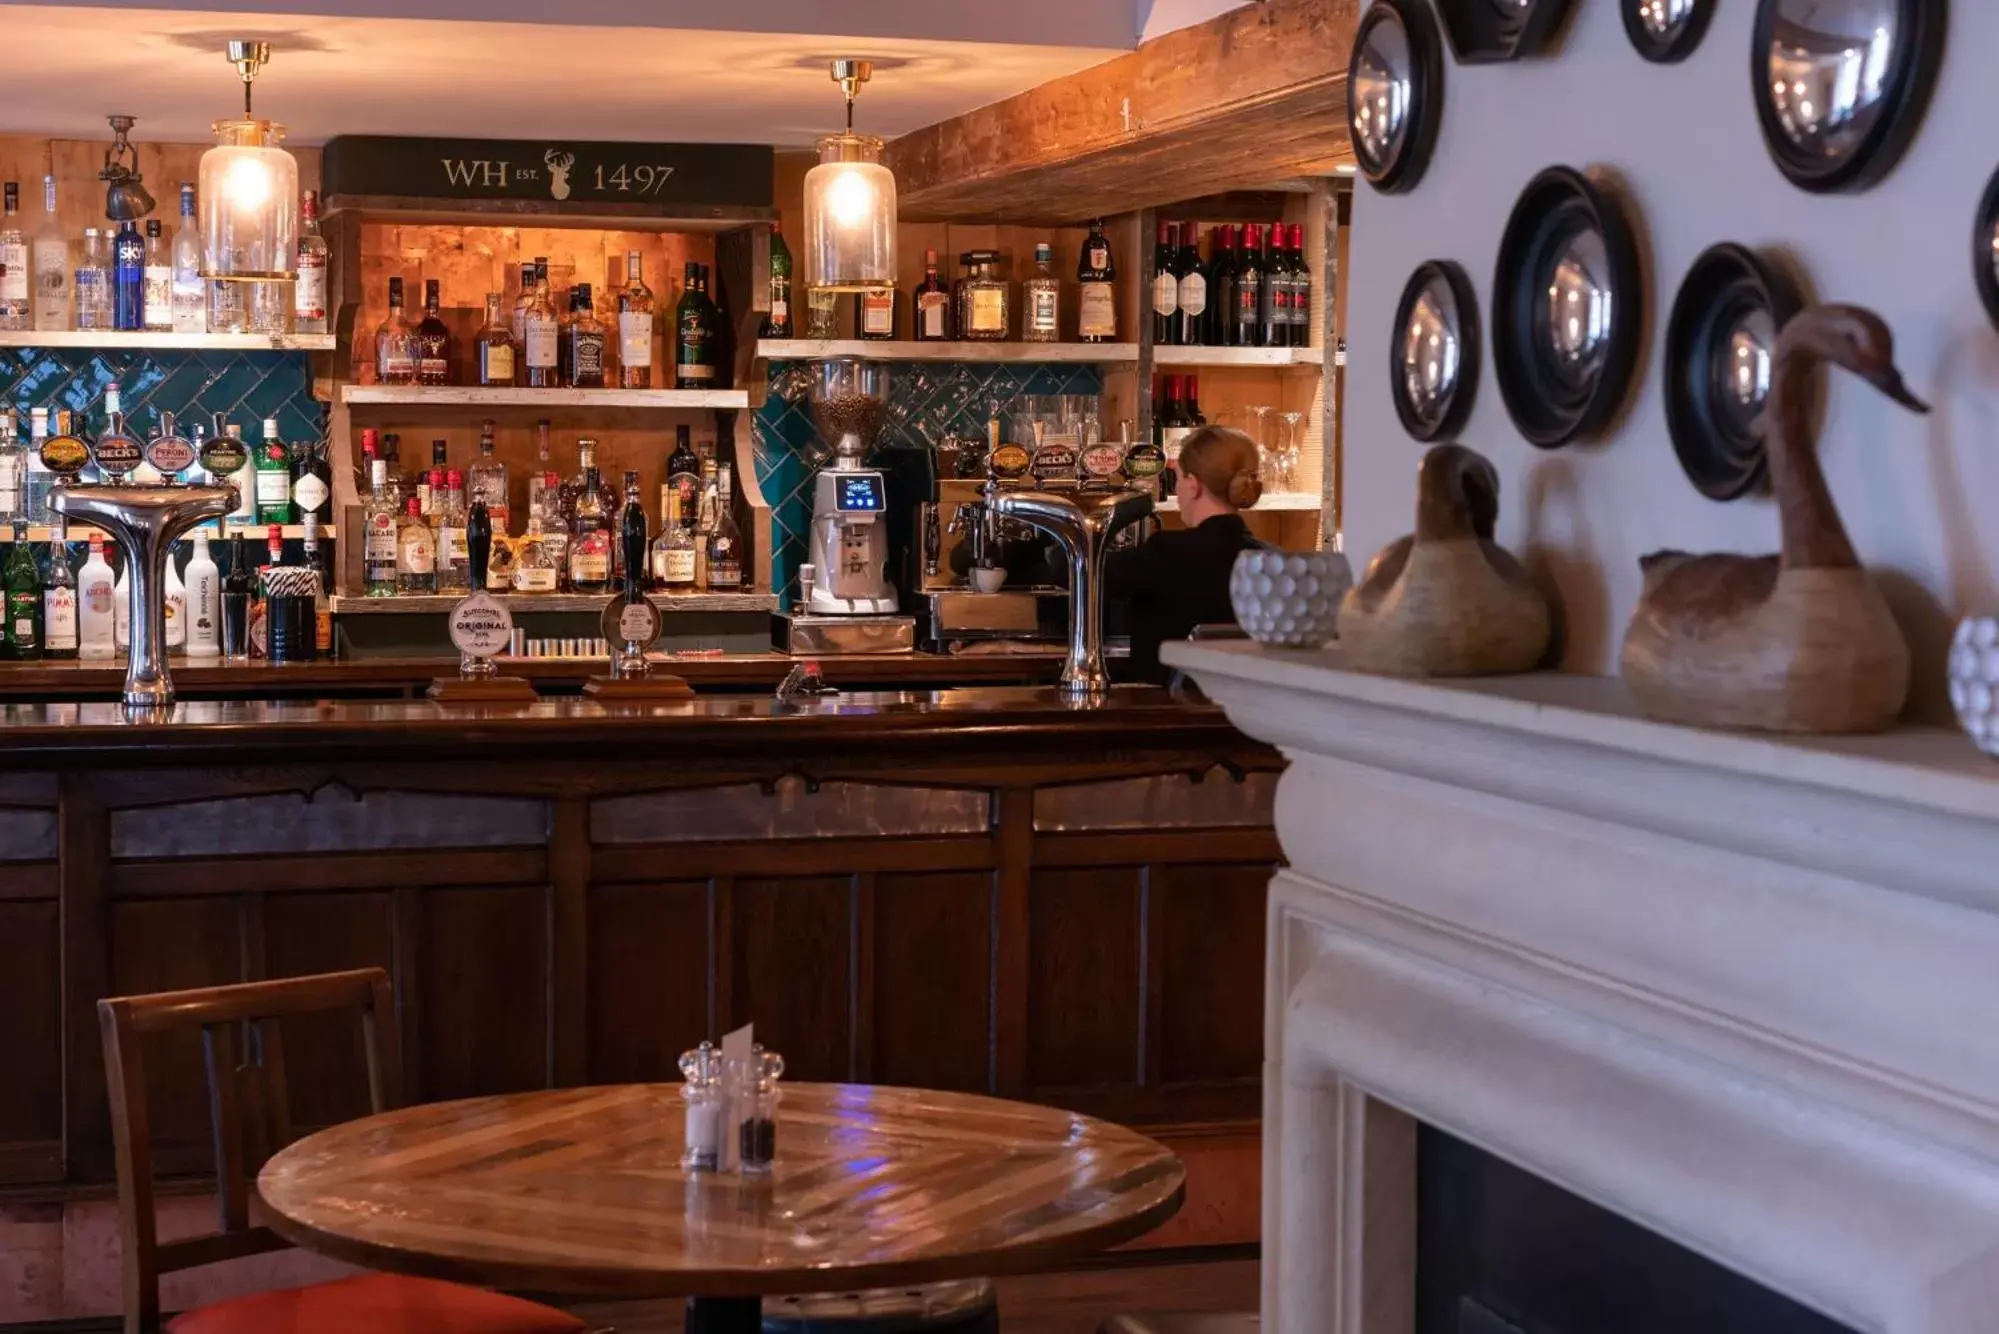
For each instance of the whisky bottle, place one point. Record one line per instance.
(395, 342)
(496, 347)
(433, 341)
(589, 529)
(585, 341)
(683, 475)
(522, 300)
(535, 565)
(635, 311)
(673, 551)
(538, 335)
(693, 340)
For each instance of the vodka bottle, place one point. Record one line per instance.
(53, 294)
(190, 290)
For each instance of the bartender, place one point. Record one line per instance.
(1175, 581)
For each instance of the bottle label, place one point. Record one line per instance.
(878, 314)
(1096, 315)
(694, 371)
(190, 303)
(398, 364)
(97, 595)
(635, 339)
(1193, 294)
(309, 294)
(674, 565)
(379, 550)
(273, 489)
(452, 548)
(14, 282)
(930, 311)
(499, 363)
(59, 617)
(21, 609)
(691, 360)
(419, 556)
(1042, 314)
(309, 494)
(780, 298)
(159, 296)
(431, 363)
(540, 341)
(589, 562)
(1165, 294)
(10, 483)
(1100, 257)
(1249, 295)
(1301, 301)
(534, 578)
(587, 356)
(988, 310)
(724, 570)
(52, 274)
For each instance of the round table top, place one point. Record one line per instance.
(581, 1191)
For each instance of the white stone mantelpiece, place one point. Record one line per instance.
(1742, 990)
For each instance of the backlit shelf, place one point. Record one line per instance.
(106, 340)
(474, 396)
(819, 349)
(253, 532)
(431, 604)
(1307, 359)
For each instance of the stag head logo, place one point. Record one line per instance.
(559, 165)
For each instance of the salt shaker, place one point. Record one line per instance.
(707, 1102)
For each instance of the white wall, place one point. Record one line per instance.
(1156, 17)
(1920, 495)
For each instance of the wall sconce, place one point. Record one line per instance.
(850, 204)
(125, 196)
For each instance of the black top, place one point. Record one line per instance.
(1173, 582)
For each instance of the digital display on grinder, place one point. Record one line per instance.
(862, 494)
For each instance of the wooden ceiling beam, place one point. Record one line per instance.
(1253, 96)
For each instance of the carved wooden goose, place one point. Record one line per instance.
(1446, 600)
(1797, 642)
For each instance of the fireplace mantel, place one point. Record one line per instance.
(1743, 990)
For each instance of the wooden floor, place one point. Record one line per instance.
(1075, 1302)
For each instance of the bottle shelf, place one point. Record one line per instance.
(1304, 359)
(1290, 501)
(432, 604)
(181, 342)
(474, 396)
(255, 532)
(817, 349)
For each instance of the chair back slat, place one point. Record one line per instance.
(249, 1112)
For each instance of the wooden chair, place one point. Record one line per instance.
(250, 1120)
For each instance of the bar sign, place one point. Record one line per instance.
(553, 172)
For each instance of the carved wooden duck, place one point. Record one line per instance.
(1797, 642)
(1446, 600)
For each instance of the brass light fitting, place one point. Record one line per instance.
(850, 75)
(249, 58)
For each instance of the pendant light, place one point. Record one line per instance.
(249, 212)
(850, 204)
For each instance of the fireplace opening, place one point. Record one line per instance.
(1501, 1251)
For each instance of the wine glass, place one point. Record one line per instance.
(1292, 447)
(1258, 415)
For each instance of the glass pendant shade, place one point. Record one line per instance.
(849, 216)
(249, 204)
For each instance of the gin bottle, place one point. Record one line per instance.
(13, 463)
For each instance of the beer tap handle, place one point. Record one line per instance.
(479, 543)
(933, 540)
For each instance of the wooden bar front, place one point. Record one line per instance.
(984, 890)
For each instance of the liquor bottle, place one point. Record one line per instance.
(96, 588)
(59, 634)
(378, 554)
(635, 312)
(1165, 289)
(237, 587)
(584, 341)
(173, 602)
(244, 479)
(1190, 408)
(433, 341)
(54, 297)
(535, 566)
(13, 468)
(311, 482)
(589, 528)
(539, 335)
(430, 485)
(36, 478)
(1243, 326)
(522, 300)
(1191, 289)
(260, 608)
(930, 305)
(157, 295)
(1172, 427)
(554, 521)
(322, 604)
(128, 278)
(486, 481)
(1041, 299)
(23, 584)
(629, 573)
(777, 324)
(874, 314)
(1301, 288)
(673, 551)
(538, 475)
(1221, 287)
(395, 342)
(683, 474)
(725, 540)
(16, 306)
(273, 478)
(93, 282)
(190, 290)
(1273, 306)
(416, 552)
(116, 450)
(204, 601)
(454, 557)
(496, 347)
(121, 609)
(986, 315)
(309, 310)
(1096, 275)
(693, 339)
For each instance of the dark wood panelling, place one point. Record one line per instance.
(932, 970)
(1207, 973)
(484, 980)
(1083, 996)
(648, 978)
(30, 998)
(167, 945)
(324, 933)
(328, 870)
(792, 973)
(641, 862)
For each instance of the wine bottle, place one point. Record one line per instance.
(1165, 290)
(1192, 289)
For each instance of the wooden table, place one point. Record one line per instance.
(581, 1191)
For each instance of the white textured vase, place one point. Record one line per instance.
(1974, 680)
(1289, 599)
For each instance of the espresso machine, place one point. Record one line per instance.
(850, 606)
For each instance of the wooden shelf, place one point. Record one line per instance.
(1272, 501)
(1305, 359)
(169, 342)
(817, 349)
(80, 532)
(431, 604)
(546, 213)
(473, 396)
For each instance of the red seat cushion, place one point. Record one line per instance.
(376, 1304)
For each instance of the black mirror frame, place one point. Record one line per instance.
(1674, 49)
(1983, 254)
(1912, 74)
(1470, 352)
(1481, 35)
(1426, 92)
(1541, 412)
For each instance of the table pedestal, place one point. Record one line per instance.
(724, 1315)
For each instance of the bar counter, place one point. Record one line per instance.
(989, 890)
